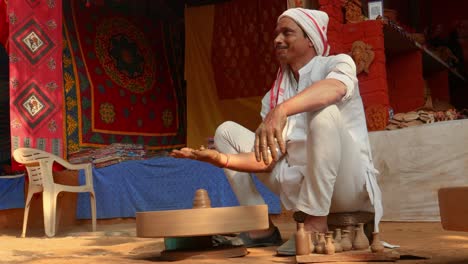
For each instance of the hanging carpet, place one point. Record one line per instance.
(117, 78)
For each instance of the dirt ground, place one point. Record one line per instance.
(117, 243)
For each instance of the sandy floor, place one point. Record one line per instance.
(117, 243)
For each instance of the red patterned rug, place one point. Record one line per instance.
(125, 91)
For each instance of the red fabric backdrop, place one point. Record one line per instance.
(243, 58)
(3, 23)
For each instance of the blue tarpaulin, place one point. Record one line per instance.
(11, 193)
(157, 184)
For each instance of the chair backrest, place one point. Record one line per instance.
(31, 158)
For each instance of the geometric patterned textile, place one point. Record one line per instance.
(36, 97)
(117, 78)
(33, 106)
(32, 41)
(243, 57)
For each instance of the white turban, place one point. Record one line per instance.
(314, 23)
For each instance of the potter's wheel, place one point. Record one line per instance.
(201, 221)
(189, 230)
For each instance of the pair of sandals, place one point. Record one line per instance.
(285, 249)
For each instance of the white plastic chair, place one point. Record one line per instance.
(39, 164)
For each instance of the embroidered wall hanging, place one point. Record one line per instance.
(36, 98)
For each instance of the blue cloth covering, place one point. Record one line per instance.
(160, 184)
(11, 193)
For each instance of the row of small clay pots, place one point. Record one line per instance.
(322, 243)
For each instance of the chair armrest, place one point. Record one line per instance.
(87, 167)
(82, 166)
(71, 166)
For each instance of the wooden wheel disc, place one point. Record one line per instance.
(201, 221)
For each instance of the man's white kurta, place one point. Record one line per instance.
(291, 170)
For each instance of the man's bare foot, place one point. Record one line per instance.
(316, 223)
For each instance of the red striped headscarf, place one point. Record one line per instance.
(314, 23)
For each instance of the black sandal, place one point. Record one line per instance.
(272, 240)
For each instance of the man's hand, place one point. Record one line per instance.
(269, 135)
(207, 155)
(183, 153)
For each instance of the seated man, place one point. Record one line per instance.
(312, 147)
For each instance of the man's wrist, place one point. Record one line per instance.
(226, 161)
(283, 108)
(222, 160)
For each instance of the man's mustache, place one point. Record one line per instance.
(281, 47)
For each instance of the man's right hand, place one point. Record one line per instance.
(269, 136)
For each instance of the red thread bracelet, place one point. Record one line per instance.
(227, 160)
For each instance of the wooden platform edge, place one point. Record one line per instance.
(349, 256)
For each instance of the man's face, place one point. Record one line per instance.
(290, 43)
